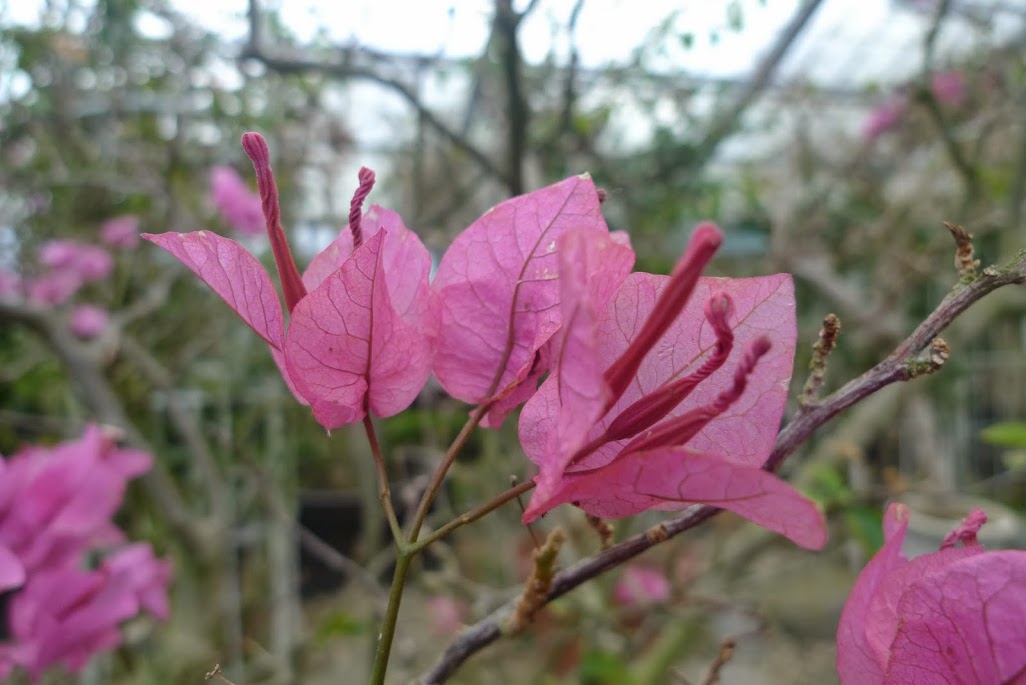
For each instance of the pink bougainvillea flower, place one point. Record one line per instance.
(53, 288)
(884, 118)
(953, 616)
(82, 260)
(88, 321)
(121, 232)
(641, 586)
(235, 202)
(357, 339)
(949, 88)
(669, 394)
(56, 506)
(66, 615)
(57, 503)
(495, 298)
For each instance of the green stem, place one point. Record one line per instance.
(395, 597)
(472, 515)
(384, 491)
(436, 481)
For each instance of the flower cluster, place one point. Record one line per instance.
(64, 267)
(56, 506)
(659, 391)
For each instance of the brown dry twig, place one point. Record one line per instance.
(726, 654)
(964, 261)
(818, 365)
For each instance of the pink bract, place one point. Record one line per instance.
(653, 404)
(956, 612)
(235, 202)
(495, 297)
(357, 339)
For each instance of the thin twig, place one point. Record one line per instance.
(726, 654)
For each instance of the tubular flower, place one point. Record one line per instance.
(670, 393)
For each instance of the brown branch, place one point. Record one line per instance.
(902, 364)
(345, 70)
(98, 395)
(505, 27)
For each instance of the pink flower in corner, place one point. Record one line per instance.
(495, 298)
(952, 616)
(669, 394)
(357, 339)
(235, 202)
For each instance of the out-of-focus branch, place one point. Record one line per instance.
(97, 394)
(345, 69)
(903, 363)
(727, 119)
(505, 27)
(185, 423)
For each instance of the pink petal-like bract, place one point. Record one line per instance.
(495, 296)
(239, 279)
(358, 340)
(953, 616)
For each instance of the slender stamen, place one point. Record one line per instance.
(704, 243)
(679, 430)
(653, 407)
(355, 216)
(291, 283)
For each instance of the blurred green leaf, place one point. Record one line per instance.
(1005, 434)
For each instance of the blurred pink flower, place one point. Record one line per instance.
(642, 586)
(58, 254)
(88, 321)
(121, 232)
(949, 88)
(237, 204)
(56, 505)
(53, 288)
(884, 118)
(955, 615)
(67, 615)
(82, 260)
(445, 614)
